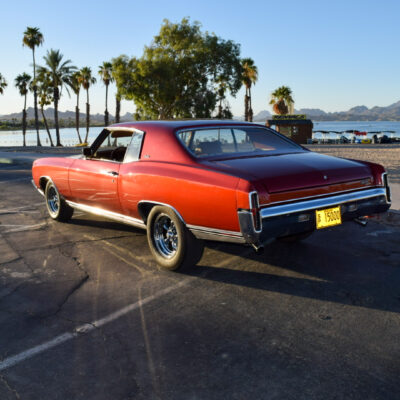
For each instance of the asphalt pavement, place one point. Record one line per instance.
(85, 313)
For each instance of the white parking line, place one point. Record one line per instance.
(86, 328)
(21, 228)
(8, 210)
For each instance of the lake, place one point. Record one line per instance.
(70, 138)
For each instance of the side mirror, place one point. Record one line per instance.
(87, 152)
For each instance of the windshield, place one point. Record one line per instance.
(236, 141)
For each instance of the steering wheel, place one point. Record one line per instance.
(115, 152)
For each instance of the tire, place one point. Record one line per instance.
(295, 238)
(172, 245)
(57, 208)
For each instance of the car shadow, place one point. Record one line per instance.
(361, 275)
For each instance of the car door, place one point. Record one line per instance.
(95, 183)
(93, 180)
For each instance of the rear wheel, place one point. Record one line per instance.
(171, 243)
(57, 208)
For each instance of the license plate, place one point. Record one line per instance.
(328, 217)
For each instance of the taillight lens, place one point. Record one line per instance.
(255, 210)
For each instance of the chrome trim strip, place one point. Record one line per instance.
(163, 204)
(107, 214)
(215, 231)
(321, 203)
(38, 189)
(219, 235)
(123, 128)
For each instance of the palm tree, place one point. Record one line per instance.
(105, 71)
(117, 106)
(22, 82)
(249, 77)
(3, 84)
(33, 38)
(87, 81)
(60, 72)
(45, 95)
(75, 84)
(282, 100)
(119, 66)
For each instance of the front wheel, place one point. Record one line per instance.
(57, 208)
(171, 243)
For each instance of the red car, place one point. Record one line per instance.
(185, 181)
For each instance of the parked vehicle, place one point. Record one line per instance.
(186, 181)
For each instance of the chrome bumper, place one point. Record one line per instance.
(299, 216)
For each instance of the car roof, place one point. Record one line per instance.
(181, 124)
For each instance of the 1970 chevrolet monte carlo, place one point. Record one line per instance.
(185, 181)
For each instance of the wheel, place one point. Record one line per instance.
(58, 209)
(173, 246)
(295, 238)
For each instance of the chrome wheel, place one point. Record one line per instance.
(53, 200)
(165, 236)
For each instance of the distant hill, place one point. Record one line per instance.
(65, 115)
(359, 113)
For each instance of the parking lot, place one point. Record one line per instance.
(85, 313)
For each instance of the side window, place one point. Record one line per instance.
(243, 141)
(133, 151)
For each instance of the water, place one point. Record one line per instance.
(70, 138)
(362, 126)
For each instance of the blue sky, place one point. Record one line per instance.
(333, 54)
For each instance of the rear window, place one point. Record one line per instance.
(231, 141)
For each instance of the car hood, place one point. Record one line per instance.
(284, 172)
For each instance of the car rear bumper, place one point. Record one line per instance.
(299, 216)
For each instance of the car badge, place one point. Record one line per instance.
(325, 177)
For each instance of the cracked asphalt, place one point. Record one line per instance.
(85, 313)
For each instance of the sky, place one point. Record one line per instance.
(334, 55)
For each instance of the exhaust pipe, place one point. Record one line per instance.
(258, 248)
(362, 221)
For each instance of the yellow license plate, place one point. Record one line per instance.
(328, 217)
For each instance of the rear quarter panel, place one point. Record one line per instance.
(56, 169)
(202, 197)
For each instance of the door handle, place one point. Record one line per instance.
(112, 173)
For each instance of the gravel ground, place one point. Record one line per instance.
(386, 154)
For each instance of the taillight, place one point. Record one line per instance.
(386, 184)
(255, 210)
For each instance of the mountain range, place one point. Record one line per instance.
(65, 115)
(358, 113)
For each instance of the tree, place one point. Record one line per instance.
(121, 74)
(177, 75)
(105, 72)
(223, 106)
(282, 100)
(22, 82)
(75, 83)
(3, 84)
(34, 38)
(249, 77)
(60, 73)
(87, 80)
(45, 97)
